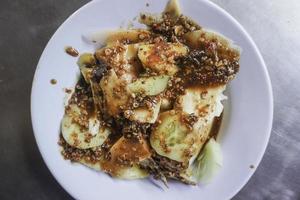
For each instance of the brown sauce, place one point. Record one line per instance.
(112, 167)
(72, 51)
(216, 126)
(124, 153)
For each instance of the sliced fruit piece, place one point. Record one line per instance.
(149, 85)
(146, 115)
(149, 19)
(136, 151)
(204, 102)
(86, 59)
(86, 73)
(97, 97)
(134, 172)
(85, 62)
(189, 173)
(81, 137)
(122, 59)
(203, 132)
(172, 138)
(165, 104)
(224, 47)
(124, 153)
(173, 9)
(115, 91)
(209, 162)
(160, 57)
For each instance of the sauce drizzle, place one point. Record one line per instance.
(72, 51)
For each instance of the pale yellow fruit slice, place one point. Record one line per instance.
(204, 102)
(122, 59)
(149, 85)
(160, 57)
(115, 91)
(146, 115)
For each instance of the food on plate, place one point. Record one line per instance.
(149, 101)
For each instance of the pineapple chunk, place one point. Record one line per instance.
(160, 57)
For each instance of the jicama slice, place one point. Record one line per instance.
(160, 57)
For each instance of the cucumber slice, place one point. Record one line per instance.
(150, 85)
(209, 162)
(145, 115)
(171, 138)
(81, 137)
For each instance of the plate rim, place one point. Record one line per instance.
(209, 3)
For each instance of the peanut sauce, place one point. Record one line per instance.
(215, 128)
(72, 51)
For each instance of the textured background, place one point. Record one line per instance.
(25, 28)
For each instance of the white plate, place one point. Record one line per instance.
(248, 113)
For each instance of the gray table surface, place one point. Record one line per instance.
(25, 28)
